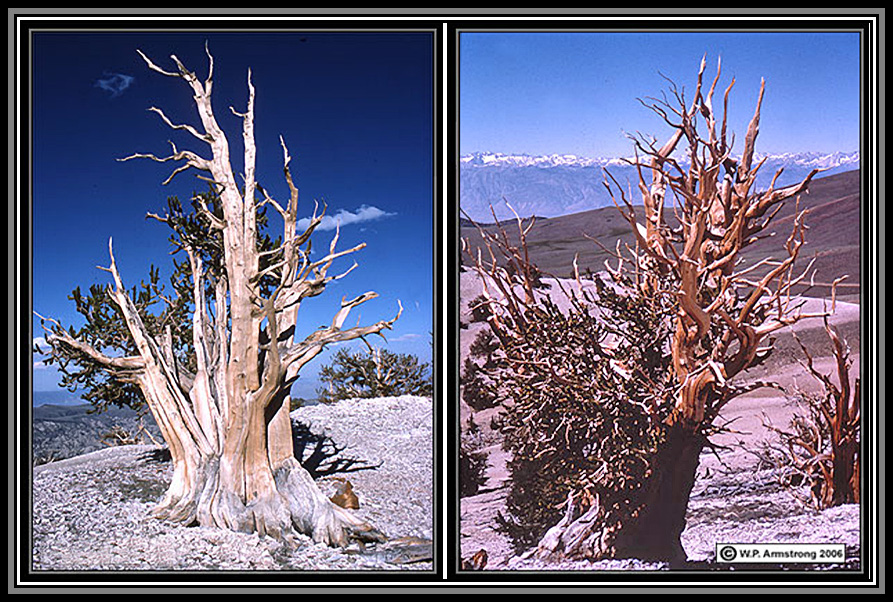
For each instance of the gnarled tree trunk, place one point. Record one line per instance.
(653, 533)
(224, 413)
(721, 317)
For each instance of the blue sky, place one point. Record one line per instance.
(356, 110)
(576, 93)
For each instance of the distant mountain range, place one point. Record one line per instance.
(64, 431)
(833, 241)
(555, 185)
(59, 397)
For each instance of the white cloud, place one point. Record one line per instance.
(115, 83)
(405, 337)
(44, 347)
(41, 343)
(366, 213)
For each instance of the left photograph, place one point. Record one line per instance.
(232, 296)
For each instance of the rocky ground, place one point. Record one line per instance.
(733, 502)
(92, 512)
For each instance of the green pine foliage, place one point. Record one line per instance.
(472, 461)
(165, 308)
(373, 373)
(580, 390)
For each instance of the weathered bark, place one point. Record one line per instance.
(225, 416)
(723, 314)
(652, 531)
(720, 215)
(664, 509)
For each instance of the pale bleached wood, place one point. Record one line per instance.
(227, 425)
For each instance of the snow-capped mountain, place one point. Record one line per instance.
(553, 185)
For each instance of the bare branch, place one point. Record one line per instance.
(191, 160)
(184, 127)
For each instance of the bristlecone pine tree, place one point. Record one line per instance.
(608, 403)
(376, 373)
(216, 364)
(821, 445)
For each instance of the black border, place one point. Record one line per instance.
(868, 162)
(446, 256)
(24, 28)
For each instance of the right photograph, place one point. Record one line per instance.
(660, 250)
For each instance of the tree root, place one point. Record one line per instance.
(313, 514)
(577, 536)
(297, 505)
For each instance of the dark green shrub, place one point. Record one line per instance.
(376, 373)
(472, 462)
(583, 388)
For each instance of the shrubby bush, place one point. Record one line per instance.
(472, 461)
(374, 373)
(583, 386)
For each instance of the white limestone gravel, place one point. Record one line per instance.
(93, 512)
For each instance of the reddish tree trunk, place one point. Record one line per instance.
(657, 532)
(653, 531)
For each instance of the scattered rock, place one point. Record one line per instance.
(93, 511)
(345, 497)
